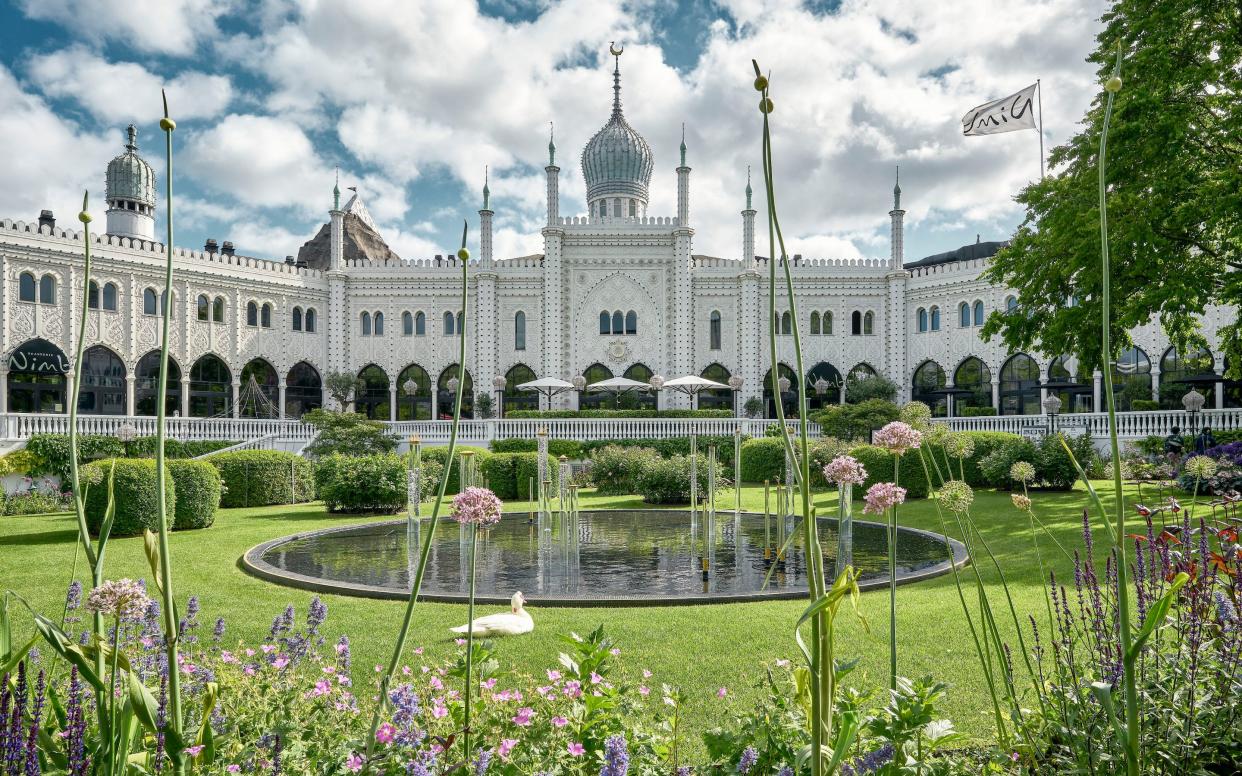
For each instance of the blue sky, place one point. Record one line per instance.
(412, 99)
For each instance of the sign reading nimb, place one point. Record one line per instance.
(40, 357)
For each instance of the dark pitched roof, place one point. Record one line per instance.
(975, 250)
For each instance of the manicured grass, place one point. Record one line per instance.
(699, 648)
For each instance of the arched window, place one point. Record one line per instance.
(147, 384)
(450, 324)
(366, 323)
(204, 307)
(372, 397)
(922, 316)
(519, 331)
(512, 399)
(869, 322)
(618, 323)
(379, 323)
(252, 314)
(36, 381)
(716, 398)
(103, 383)
(109, 296)
(407, 324)
(963, 315)
(935, 318)
(631, 322)
(1071, 383)
(828, 322)
(789, 396)
(420, 324)
(605, 323)
(637, 400)
(149, 305)
(265, 316)
(814, 322)
(1011, 303)
(47, 289)
(1131, 378)
(973, 375)
(92, 295)
(310, 319)
(259, 394)
(832, 388)
(416, 405)
(978, 312)
(1019, 386)
(303, 388)
(217, 310)
(856, 323)
(1175, 368)
(713, 333)
(593, 400)
(26, 288)
(445, 397)
(461, 330)
(297, 318)
(928, 380)
(786, 323)
(211, 388)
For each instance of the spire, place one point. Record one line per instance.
(551, 145)
(132, 144)
(616, 77)
(487, 193)
(748, 191)
(336, 191)
(683, 144)
(897, 191)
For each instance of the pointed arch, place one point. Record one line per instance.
(364, 320)
(407, 324)
(37, 377)
(714, 334)
(814, 322)
(593, 400)
(303, 389)
(446, 397)
(211, 387)
(928, 379)
(1176, 367)
(514, 400)
(259, 395)
(832, 393)
(102, 391)
(203, 305)
(147, 383)
(638, 400)
(1019, 386)
(973, 375)
(372, 397)
(26, 288)
(519, 331)
(1131, 378)
(716, 398)
(789, 397)
(416, 405)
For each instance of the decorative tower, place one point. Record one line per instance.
(617, 162)
(683, 332)
(683, 184)
(897, 239)
(553, 172)
(131, 193)
(553, 308)
(749, 305)
(748, 228)
(485, 225)
(487, 323)
(338, 314)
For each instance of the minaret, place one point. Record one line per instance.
(485, 225)
(131, 193)
(487, 324)
(683, 185)
(748, 228)
(897, 237)
(337, 324)
(554, 192)
(336, 257)
(749, 306)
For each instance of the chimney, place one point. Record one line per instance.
(211, 246)
(46, 219)
(227, 250)
(289, 260)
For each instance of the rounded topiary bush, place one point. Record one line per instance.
(615, 469)
(509, 475)
(198, 493)
(362, 483)
(763, 458)
(256, 478)
(879, 465)
(133, 489)
(440, 456)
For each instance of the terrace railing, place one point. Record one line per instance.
(580, 429)
(15, 426)
(1130, 425)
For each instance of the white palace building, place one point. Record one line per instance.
(617, 291)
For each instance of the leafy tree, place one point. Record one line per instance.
(1175, 192)
(342, 386)
(860, 389)
(752, 407)
(347, 433)
(483, 405)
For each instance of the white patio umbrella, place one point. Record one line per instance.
(547, 386)
(692, 385)
(619, 386)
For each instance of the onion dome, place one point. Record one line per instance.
(129, 176)
(617, 162)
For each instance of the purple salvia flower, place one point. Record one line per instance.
(13, 740)
(1140, 584)
(616, 757)
(161, 719)
(748, 759)
(1086, 535)
(217, 633)
(73, 600)
(76, 726)
(343, 658)
(481, 762)
(5, 699)
(32, 737)
(405, 713)
(316, 615)
(785, 771)
(869, 763)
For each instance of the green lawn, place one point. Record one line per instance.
(700, 648)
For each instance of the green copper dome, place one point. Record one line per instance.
(129, 176)
(617, 162)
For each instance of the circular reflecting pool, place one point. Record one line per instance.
(605, 556)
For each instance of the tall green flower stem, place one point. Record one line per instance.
(1132, 731)
(820, 657)
(466, 477)
(845, 527)
(167, 604)
(463, 256)
(892, 582)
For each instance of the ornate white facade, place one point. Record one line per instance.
(616, 292)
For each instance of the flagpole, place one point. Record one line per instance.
(1039, 96)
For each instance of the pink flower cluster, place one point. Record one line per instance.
(477, 506)
(882, 496)
(898, 437)
(122, 598)
(845, 470)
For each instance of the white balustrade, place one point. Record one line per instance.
(1130, 425)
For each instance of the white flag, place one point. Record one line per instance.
(1007, 114)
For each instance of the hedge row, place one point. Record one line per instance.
(576, 451)
(368, 483)
(255, 478)
(144, 447)
(556, 447)
(510, 475)
(198, 489)
(49, 453)
(555, 414)
(134, 495)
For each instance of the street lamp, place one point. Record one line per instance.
(409, 388)
(657, 385)
(498, 384)
(1193, 402)
(735, 385)
(1052, 406)
(126, 434)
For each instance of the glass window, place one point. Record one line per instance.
(26, 288)
(92, 295)
(978, 313)
(252, 314)
(460, 330)
(449, 324)
(633, 207)
(869, 323)
(109, 297)
(420, 324)
(631, 322)
(265, 316)
(1176, 367)
(310, 319)
(211, 388)
(618, 323)
(786, 323)
(204, 307)
(297, 318)
(304, 390)
(103, 383)
(929, 379)
(147, 383)
(828, 322)
(974, 376)
(513, 399)
(935, 319)
(366, 324)
(814, 322)
(47, 289)
(856, 323)
(1131, 378)
(407, 324)
(445, 398)
(217, 310)
(714, 330)
(963, 315)
(605, 323)
(922, 315)
(148, 302)
(1019, 386)
(379, 323)
(1011, 303)
(519, 331)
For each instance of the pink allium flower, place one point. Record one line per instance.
(322, 687)
(477, 506)
(353, 762)
(646, 674)
(233, 768)
(722, 692)
(385, 733)
(576, 749)
(898, 437)
(506, 746)
(488, 683)
(596, 678)
(123, 598)
(882, 496)
(560, 721)
(845, 470)
(523, 716)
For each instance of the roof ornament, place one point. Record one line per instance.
(487, 193)
(897, 190)
(132, 144)
(683, 144)
(616, 76)
(748, 190)
(551, 145)
(336, 191)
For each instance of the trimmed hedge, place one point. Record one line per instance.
(440, 456)
(553, 414)
(509, 474)
(763, 458)
(856, 421)
(367, 483)
(256, 478)
(977, 412)
(879, 465)
(51, 451)
(556, 447)
(144, 447)
(671, 446)
(133, 489)
(198, 487)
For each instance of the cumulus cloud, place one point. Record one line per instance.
(125, 91)
(164, 26)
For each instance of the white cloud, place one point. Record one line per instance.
(124, 91)
(164, 26)
(50, 161)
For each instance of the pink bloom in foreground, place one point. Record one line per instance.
(644, 689)
(898, 437)
(122, 598)
(353, 762)
(477, 506)
(882, 496)
(523, 716)
(385, 733)
(576, 749)
(554, 676)
(193, 750)
(280, 662)
(722, 692)
(506, 746)
(234, 768)
(845, 470)
(560, 721)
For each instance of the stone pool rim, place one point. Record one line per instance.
(252, 562)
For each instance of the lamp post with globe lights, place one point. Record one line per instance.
(1193, 401)
(735, 385)
(410, 389)
(126, 434)
(498, 384)
(657, 385)
(1052, 408)
(579, 382)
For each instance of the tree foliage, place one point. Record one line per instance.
(342, 386)
(1175, 193)
(347, 433)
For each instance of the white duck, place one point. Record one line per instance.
(512, 623)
